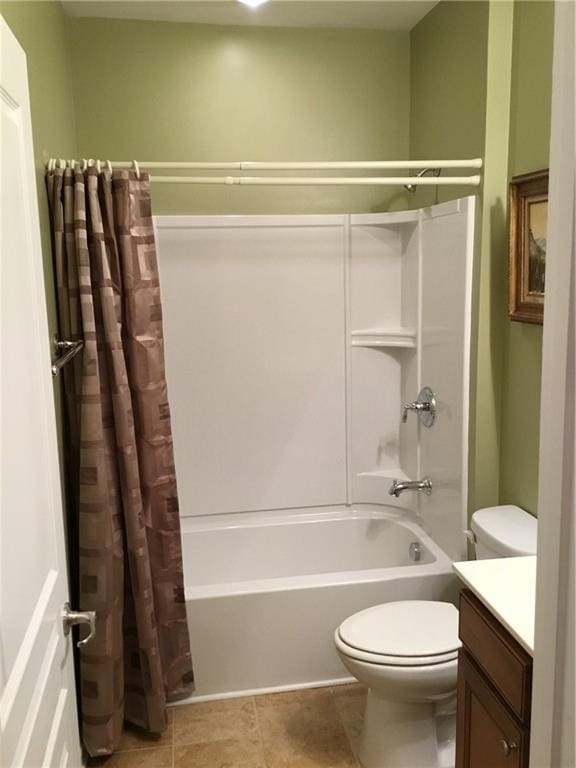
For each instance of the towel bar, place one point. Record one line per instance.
(65, 350)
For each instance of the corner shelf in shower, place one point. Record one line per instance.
(375, 338)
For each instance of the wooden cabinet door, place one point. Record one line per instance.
(487, 736)
(497, 655)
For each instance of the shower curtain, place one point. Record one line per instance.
(124, 526)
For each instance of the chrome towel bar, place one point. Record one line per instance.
(65, 351)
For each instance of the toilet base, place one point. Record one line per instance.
(406, 735)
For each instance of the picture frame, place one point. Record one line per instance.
(528, 212)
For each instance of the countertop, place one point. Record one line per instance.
(507, 587)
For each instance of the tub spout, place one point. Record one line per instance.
(399, 486)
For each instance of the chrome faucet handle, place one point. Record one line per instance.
(424, 405)
(415, 406)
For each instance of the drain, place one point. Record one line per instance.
(415, 551)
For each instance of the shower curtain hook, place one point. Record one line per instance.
(84, 164)
(109, 165)
(136, 168)
(98, 167)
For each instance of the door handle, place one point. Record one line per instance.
(70, 618)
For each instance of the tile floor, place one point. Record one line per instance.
(315, 728)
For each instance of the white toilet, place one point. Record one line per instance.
(406, 653)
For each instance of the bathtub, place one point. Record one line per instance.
(265, 590)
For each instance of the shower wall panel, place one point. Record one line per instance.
(291, 342)
(447, 250)
(255, 348)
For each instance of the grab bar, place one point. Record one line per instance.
(65, 351)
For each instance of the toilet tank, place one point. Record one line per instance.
(504, 531)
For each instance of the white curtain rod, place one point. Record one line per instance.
(303, 181)
(278, 166)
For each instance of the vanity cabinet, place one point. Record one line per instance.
(494, 692)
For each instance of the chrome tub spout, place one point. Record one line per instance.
(399, 486)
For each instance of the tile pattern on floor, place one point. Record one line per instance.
(314, 728)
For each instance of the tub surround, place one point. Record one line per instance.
(507, 587)
(324, 325)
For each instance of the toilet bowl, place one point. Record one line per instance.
(406, 654)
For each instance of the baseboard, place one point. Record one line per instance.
(198, 699)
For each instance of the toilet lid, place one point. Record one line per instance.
(408, 628)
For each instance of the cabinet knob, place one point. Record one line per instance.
(507, 747)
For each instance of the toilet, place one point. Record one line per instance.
(504, 531)
(406, 654)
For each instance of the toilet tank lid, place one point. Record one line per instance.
(507, 528)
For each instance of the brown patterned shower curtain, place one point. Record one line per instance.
(125, 546)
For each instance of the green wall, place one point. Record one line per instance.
(41, 30)
(490, 296)
(440, 91)
(529, 149)
(459, 76)
(448, 89)
(165, 91)
(480, 85)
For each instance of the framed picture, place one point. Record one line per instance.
(527, 247)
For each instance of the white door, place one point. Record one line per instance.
(38, 722)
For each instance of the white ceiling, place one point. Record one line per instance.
(354, 14)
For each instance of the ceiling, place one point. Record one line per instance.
(355, 14)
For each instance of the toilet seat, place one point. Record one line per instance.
(393, 661)
(407, 633)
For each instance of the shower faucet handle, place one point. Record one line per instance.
(424, 405)
(415, 406)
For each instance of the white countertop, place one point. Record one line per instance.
(507, 587)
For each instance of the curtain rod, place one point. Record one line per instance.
(277, 166)
(410, 182)
(303, 181)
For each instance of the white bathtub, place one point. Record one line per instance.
(265, 590)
